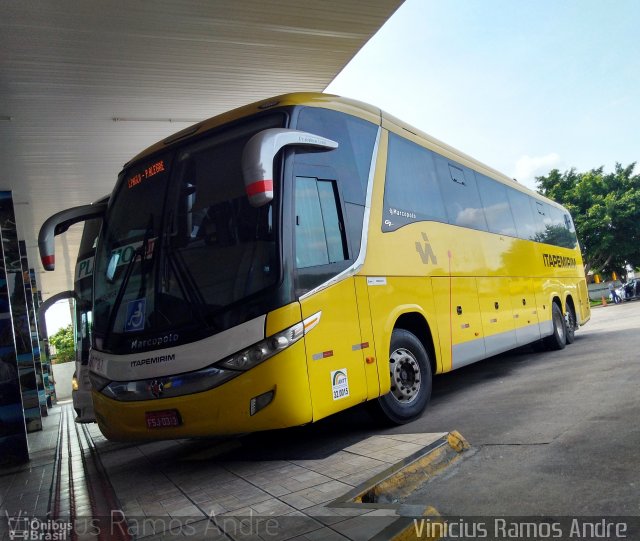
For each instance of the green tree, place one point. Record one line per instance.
(606, 212)
(64, 344)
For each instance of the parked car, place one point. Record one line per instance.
(631, 289)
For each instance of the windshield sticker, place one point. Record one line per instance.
(149, 172)
(135, 315)
(124, 254)
(84, 268)
(339, 384)
(112, 266)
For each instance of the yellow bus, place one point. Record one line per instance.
(304, 254)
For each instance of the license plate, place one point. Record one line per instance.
(163, 419)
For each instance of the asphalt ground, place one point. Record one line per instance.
(552, 433)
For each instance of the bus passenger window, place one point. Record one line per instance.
(521, 208)
(542, 216)
(497, 210)
(460, 194)
(411, 191)
(559, 231)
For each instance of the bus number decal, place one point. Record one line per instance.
(339, 384)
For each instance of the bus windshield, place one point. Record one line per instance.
(181, 246)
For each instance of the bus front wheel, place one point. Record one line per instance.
(410, 373)
(558, 340)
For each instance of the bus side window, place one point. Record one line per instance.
(460, 194)
(542, 217)
(520, 207)
(411, 191)
(497, 210)
(559, 232)
(320, 238)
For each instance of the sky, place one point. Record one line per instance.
(523, 86)
(58, 316)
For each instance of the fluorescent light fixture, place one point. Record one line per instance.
(143, 119)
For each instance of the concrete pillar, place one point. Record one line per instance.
(43, 344)
(19, 314)
(33, 328)
(13, 435)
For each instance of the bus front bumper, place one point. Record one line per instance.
(226, 409)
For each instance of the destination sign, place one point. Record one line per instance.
(147, 173)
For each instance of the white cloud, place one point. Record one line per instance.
(528, 167)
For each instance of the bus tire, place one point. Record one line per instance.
(410, 372)
(558, 340)
(570, 318)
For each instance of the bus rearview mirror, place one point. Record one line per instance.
(260, 151)
(59, 223)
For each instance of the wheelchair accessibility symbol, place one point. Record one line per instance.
(135, 315)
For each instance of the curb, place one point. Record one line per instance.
(415, 470)
(385, 489)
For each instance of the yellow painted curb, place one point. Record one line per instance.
(457, 441)
(417, 472)
(385, 489)
(416, 528)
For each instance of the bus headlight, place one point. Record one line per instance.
(205, 378)
(263, 350)
(168, 386)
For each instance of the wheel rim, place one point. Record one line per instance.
(557, 318)
(405, 375)
(571, 320)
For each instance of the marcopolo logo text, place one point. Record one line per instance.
(156, 341)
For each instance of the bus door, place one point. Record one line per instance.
(584, 307)
(334, 349)
(459, 320)
(497, 316)
(525, 310)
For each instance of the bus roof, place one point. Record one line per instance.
(313, 99)
(345, 105)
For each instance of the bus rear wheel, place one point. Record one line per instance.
(558, 340)
(410, 373)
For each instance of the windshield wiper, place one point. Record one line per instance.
(141, 252)
(187, 285)
(121, 290)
